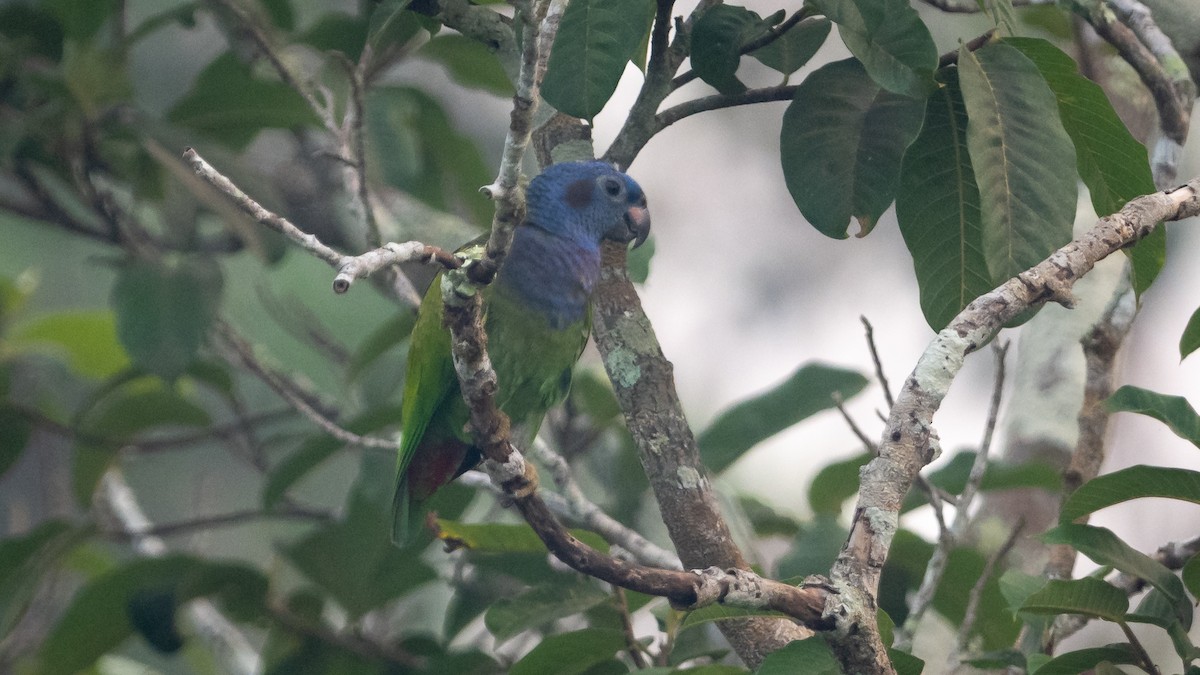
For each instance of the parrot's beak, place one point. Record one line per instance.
(637, 220)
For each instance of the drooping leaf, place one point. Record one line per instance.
(835, 483)
(937, 208)
(595, 40)
(1087, 596)
(717, 612)
(354, 560)
(841, 144)
(164, 312)
(811, 656)
(1134, 482)
(1003, 16)
(790, 51)
(390, 25)
(570, 653)
(1084, 660)
(1104, 547)
(890, 39)
(1157, 609)
(717, 40)
(540, 605)
(1023, 159)
(232, 106)
(97, 619)
(504, 538)
(808, 391)
(388, 335)
(1191, 575)
(905, 663)
(417, 149)
(1111, 162)
(87, 339)
(469, 63)
(1173, 411)
(1190, 340)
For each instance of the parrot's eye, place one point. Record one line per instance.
(612, 186)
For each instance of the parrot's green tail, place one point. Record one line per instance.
(407, 516)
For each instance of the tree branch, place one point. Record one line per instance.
(910, 441)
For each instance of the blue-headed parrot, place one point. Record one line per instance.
(537, 318)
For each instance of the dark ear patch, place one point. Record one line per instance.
(579, 194)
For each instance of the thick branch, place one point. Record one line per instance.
(910, 441)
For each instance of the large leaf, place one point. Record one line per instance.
(469, 63)
(717, 40)
(890, 39)
(1084, 660)
(1191, 575)
(164, 312)
(355, 562)
(570, 653)
(718, 612)
(815, 548)
(808, 391)
(88, 340)
(937, 207)
(1173, 411)
(504, 538)
(835, 483)
(790, 51)
(1111, 162)
(98, 618)
(595, 40)
(952, 477)
(811, 656)
(841, 144)
(1024, 160)
(1087, 596)
(539, 606)
(232, 106)
(1104, 547)
(1134, 482)
(1189, 341)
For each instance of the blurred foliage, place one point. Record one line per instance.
(145, 324)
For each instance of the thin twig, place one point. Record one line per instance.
(634, 648)
(291, 393)
(971, 614)
(224, 520)
(868, 444)
(883, 381)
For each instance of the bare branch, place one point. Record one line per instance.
(970, 616)
(883, 381)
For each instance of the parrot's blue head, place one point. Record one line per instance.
(587, 202)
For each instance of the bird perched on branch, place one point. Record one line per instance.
(537, 318)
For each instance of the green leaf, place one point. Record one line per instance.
(1105, 548)
(469, 63)
(717, 40)
(570, 653)
(1111, 162)
(765, 520)
(417, 149)
(890, 39)
(1083, 660)
(905, 663)
(354, 560)
(232, 106)
(1190, 340)
(540, 605)
(1024, 160)
(319, 448)
(1087, 596)
(337, 32)
(15, 430)
(87, 339)
(815, 548)
(790, 51)
(835, 483)
(937, 208)
(390, 25)
(1016, 587)
(1191, 575)
(24, 560)
(811, 656)
(841, 144)
(1134, 482)
(503, 538)
(81, 20)
(952, 477)
(638, 261)
(392, 333)
(808, 391)
(164, 312)
(595, 40)
(140, 405)
(718, 612)
(1173, 411)
(97, 619)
